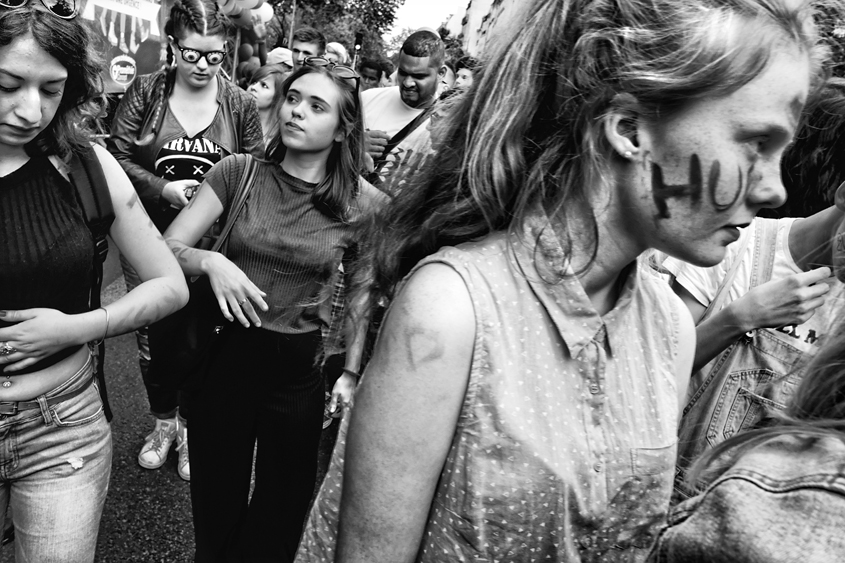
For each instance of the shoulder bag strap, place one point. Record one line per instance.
(247, 179)
(401, 135)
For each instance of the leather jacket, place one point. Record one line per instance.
(236, 129)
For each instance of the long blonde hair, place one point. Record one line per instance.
(529, 129)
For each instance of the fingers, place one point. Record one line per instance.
(17, 316)
(814, 276)
(19, 365)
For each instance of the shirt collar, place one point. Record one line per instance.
(542, 260)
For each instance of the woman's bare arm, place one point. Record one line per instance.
(405, 415)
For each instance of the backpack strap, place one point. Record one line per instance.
(86, 174)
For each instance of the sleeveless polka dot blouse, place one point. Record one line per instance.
(565, 445)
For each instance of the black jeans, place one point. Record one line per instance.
(261, 386)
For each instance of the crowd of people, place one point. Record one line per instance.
(534, 287)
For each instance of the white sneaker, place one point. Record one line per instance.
(157, 445)
(184, 465)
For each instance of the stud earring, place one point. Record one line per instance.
(628, 154)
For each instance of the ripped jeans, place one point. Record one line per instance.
(55, 463)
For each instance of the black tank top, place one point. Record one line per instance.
(46, 248)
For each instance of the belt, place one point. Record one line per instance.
(9, 408)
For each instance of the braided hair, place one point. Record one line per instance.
(186, 16)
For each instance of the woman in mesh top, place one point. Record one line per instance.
(275, 285)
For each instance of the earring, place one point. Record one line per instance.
(628, 154)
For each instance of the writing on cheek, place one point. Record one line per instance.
(661, 191)
(740, 192)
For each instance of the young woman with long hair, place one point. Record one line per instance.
(523, 397)
(170, 128)
(266, 87)
(275, 284)
(57, 444)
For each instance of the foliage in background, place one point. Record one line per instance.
(339, 20)
(832, 25)
(454, 45)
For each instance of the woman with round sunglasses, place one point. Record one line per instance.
(170, 128)
(275, 285)
(56, 443)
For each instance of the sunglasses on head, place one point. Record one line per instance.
(341, 71)
(193, 56)
(65, 9)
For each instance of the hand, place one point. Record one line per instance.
(178, 192)
(258, 27)
(788, 301)
(342, 394)
(234, 290)
(36, 334)
(375, 142)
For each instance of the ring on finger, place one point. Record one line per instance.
(6, 349)
(242, 301)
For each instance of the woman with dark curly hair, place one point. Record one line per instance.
(170, 128)
(56, 442)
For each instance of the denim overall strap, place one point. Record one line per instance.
(765, 244)
(724, 289)
(736, 393)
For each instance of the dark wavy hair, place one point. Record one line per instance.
(334, 194)
(813, 166)
(82, 102)
(529, 131)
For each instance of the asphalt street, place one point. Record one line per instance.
(147, 516)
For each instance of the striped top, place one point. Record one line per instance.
(564, 449)
(284, 244)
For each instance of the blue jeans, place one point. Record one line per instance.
(55, 463)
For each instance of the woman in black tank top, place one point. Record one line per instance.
(56, 444)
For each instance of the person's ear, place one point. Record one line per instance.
(623, 127)
(839, 197)
(442, 72)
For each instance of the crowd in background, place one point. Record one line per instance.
(534, 288)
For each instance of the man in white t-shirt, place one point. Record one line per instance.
(387, 111)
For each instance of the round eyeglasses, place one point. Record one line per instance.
(65, 9)
(193, 56)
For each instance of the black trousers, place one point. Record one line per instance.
(261, 386)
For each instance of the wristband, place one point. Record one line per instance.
(354, 374)
(106, 331)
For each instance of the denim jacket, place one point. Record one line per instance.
(236, 129)
(781, 501)
(753, 377)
